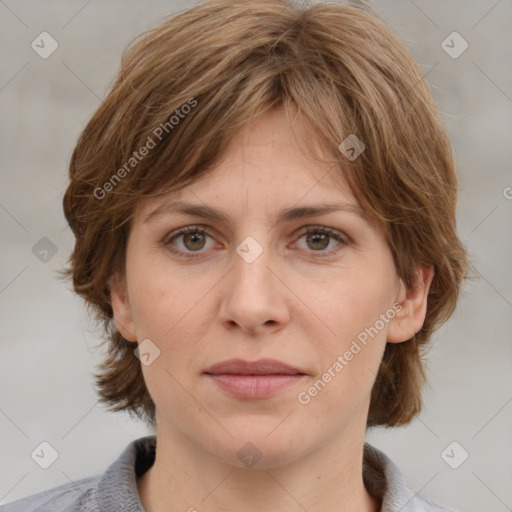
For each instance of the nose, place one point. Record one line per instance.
(254, 296)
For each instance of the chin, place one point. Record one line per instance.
(255, 449)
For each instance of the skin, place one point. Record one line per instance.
(288, 305)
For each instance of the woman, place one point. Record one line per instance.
(264, 212)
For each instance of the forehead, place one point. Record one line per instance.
(281, 193)
(267, 165)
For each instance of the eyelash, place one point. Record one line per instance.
(201, 230)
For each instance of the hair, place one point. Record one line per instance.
(186, 87)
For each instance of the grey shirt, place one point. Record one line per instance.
(116, 489)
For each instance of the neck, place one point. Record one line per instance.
(185, 478)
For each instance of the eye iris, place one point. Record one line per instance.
(194, 238)
(324, 238)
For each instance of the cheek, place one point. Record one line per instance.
(352, 304)
(170, 308)
(157, 297)
(161, 310)
(354, 336)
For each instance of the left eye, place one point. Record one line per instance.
(194, 240)
(321, 237)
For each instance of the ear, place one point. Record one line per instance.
(123, 318)
(410, 318)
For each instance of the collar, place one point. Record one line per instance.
(381, 477)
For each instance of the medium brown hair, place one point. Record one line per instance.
(338, 67)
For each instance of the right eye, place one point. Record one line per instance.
(193, 239)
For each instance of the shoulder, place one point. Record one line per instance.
(113, 491)
(384, 480)
(69, 497)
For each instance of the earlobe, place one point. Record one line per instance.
(123, 318)
(409, 320)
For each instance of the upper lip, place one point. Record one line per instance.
(260, 367)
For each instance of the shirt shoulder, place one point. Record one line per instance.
(384, 480)
(69, 497)
(113, 491)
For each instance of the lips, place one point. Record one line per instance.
(256, 380)
(260, 367)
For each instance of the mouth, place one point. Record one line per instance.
(254, 380)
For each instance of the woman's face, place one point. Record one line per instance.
(255, 284)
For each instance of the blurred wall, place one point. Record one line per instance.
(48, 344)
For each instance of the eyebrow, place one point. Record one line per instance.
(284, 215)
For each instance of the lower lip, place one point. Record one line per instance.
(254, 386)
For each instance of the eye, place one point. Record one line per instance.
(319, 237)
(193, 238)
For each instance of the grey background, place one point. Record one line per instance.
(48, 344)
